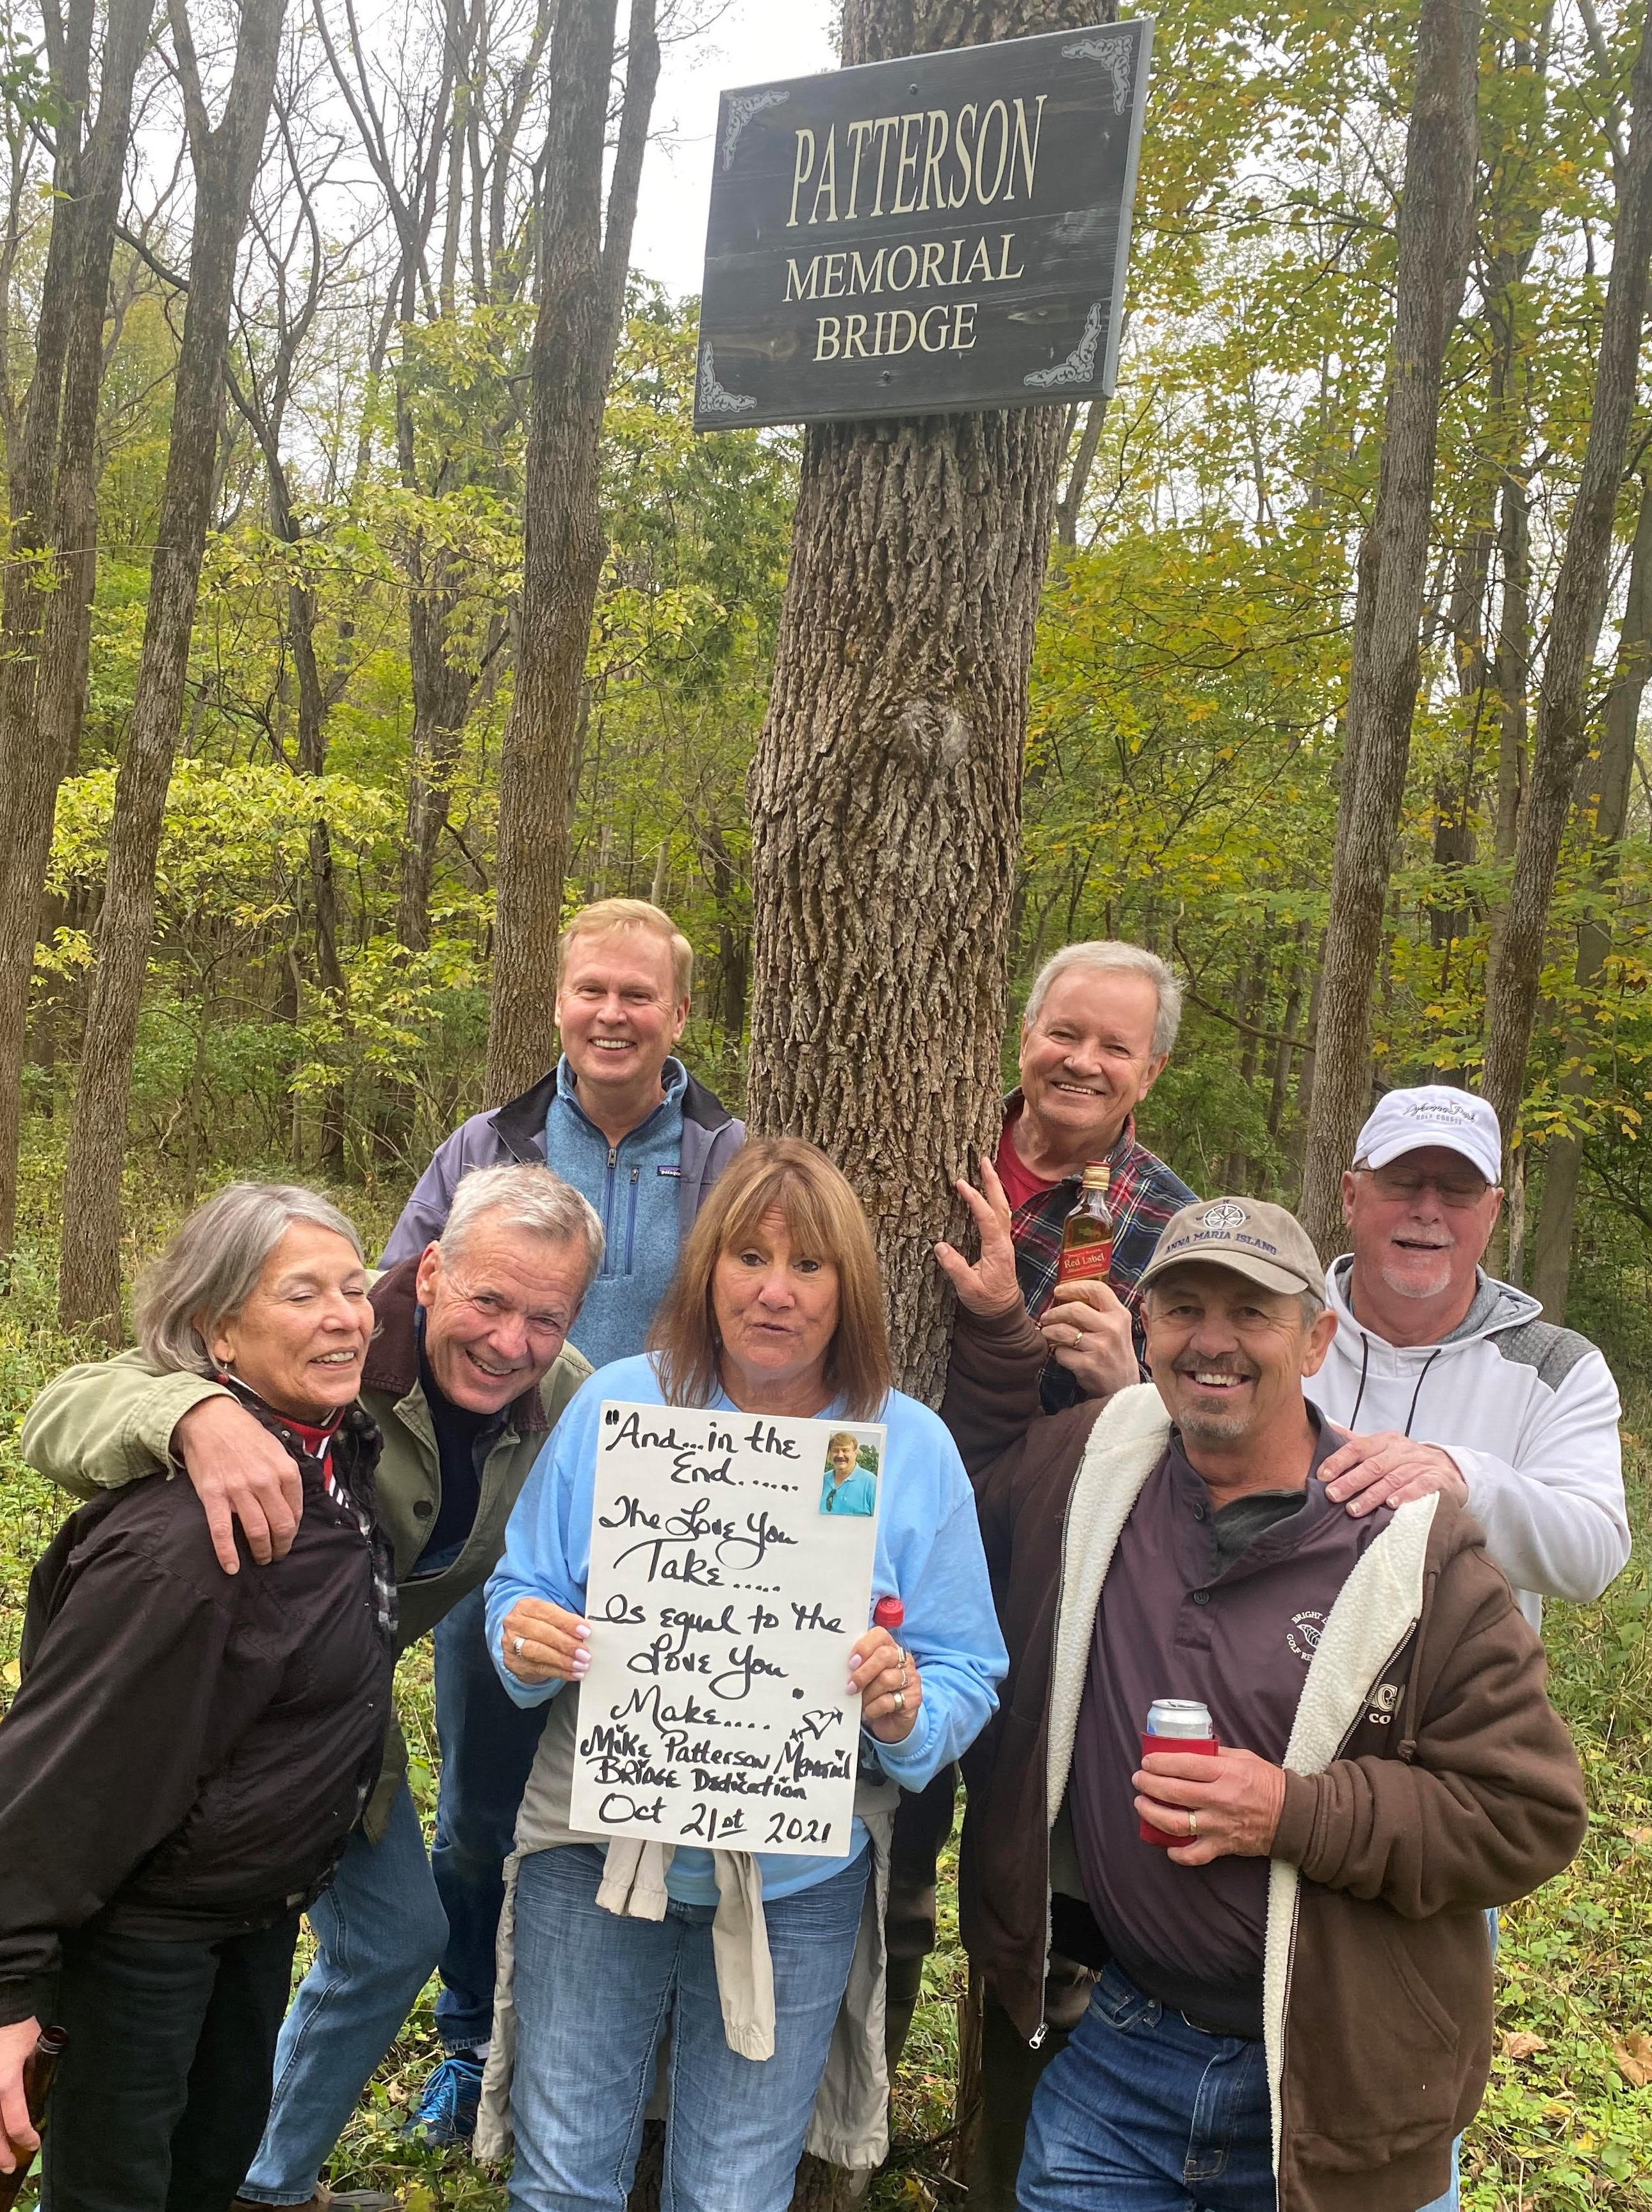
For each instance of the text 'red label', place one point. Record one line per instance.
(1082, 1260)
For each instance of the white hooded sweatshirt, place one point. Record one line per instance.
(1528, 1411)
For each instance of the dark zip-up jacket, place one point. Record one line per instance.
(188, 1751)
(111, 1422)
(1427, 1778)
(711, 1137)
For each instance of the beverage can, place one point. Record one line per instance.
(1181, 1724)
(1175, 1717)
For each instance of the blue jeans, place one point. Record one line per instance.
(594, 1994)
(379, 1931)
(1143, 2114)
(488, 1748)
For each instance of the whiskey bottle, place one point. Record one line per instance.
(1087, 1232)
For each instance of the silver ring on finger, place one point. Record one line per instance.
(899, 1701)
(517, 1643)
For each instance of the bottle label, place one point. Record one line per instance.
(1081, 1261)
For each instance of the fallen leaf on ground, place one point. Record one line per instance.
(1633, 2059)
(1521, 2043)
(1641, 1836)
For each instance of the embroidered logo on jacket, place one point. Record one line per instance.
(1302, 1637)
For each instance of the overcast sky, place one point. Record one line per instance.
(752, 41)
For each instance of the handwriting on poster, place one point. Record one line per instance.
(731, 1572)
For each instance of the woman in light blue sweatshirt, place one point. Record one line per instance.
(776, 1309)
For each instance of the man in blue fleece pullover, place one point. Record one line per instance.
(622, 1119)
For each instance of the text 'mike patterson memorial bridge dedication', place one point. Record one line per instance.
(944, 232)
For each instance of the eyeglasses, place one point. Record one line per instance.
(1463, 1190)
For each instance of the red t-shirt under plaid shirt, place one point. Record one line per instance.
(1142, 1195)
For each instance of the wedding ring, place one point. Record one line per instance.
(1192, 1828)
(517, 1641)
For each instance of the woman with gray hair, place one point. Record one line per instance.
(190, 1749)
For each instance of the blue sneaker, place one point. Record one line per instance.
(448, 2104)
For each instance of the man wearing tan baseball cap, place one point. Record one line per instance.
(1384, 1761)
(1246, 1236)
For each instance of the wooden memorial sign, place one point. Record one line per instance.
(732, 1561)
(911, 237)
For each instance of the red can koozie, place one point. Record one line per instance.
(1176, 1724)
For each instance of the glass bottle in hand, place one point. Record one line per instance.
(1087, 1232)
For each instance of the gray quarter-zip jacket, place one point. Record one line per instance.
(1528, 1411)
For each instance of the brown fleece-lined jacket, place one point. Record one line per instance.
(1428, 1777)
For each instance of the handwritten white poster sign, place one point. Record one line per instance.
(731, 1573)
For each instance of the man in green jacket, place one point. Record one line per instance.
(466, 1376)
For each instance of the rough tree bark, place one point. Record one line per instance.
(1434, 238)
(581, 299)
(1560, 740)
(441, 700)
(1613, 773)
(885, 795)
(45, 631)
(224, 160)
(1514, 669)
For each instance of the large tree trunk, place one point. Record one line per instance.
(582, 296)
(54, 503)
(886, 793)
(441, 698)
(1433, 261)
(225, 160)
(301, 616)
(886, 820)
(1613, 774)
(1561, 738)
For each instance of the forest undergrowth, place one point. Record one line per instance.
(1567, 2123)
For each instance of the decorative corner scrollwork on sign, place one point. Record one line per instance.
(742, 107)
(1114, 54)
(713, 399)
(1079, 366)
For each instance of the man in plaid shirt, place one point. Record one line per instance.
(1099, 1021)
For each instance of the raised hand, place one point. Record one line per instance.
(988, 1285)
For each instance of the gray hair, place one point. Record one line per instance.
(212, 1266)
(524, 1195)
(1107, 954)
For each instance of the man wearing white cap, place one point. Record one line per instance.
(1450, 1379)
